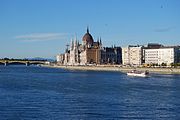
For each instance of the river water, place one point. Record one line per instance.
(28, 93)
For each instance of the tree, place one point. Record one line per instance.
(172, 64)
(163, 64)
(6, 58)
(178, 64)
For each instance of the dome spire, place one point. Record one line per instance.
(87, 29)
(87, 38)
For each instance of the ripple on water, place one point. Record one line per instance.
(46, 93)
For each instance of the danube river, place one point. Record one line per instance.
(55, 94)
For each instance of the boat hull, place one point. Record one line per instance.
(137, 75)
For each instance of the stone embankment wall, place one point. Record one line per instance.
(121, 69)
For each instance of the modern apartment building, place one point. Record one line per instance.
(132, 55)
(167, 55)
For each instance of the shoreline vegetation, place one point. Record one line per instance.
(117, 68)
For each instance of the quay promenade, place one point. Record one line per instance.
(117, 68)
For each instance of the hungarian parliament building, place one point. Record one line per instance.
(89, 52)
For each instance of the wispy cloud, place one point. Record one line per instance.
(167, 29)
(34, 37)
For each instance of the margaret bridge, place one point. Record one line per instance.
(26, 62)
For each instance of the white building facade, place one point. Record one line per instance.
(165, 55)
(60, 58)
(132, 55)
(74, 53)
(125, 56)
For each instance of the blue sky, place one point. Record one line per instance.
(42, 28)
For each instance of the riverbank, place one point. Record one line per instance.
(117, 68)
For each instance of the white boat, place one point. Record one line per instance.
(138, 73)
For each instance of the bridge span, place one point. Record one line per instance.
(26, 62)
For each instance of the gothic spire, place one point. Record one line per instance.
(67, 47)
(75, 43)
(100, 41)
(72, 44)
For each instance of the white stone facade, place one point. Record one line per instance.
(83, 57)
(125, 56)
(74, 55)
(132, 55)
(66, 58)
(60, 58)
(161, 55)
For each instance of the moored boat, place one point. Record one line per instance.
(138, 73)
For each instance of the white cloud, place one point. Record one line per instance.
(34, 37)
(167, 29)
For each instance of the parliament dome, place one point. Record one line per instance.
(87, 38)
